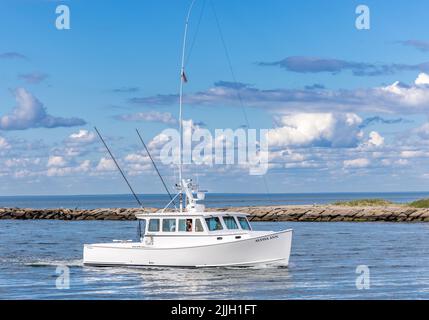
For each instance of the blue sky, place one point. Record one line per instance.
(344, 105)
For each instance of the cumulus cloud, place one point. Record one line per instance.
(137, 158)
(33, 77)
(356, 163)
(375, 139)
(316, 129)
(303, 64)
(82, 167)
(105, 164)
(82, 137)
(22, 162)
(152, 116)
(422, 79)
(159, 140)
(56, 161)
(4, 144)
(30, 113)
(412, 154)
(405, 95)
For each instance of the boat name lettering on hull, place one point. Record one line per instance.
(267, 238)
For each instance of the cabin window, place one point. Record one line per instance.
(230, 223)
(243, 223)
(169, 225)
(185, 225)
(153, 225)
(214, 224)
(182, 224)
(198, 226)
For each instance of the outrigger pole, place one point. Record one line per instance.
(183, 79)
(119, 169)
(156, 168)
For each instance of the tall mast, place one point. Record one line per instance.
(182, 81)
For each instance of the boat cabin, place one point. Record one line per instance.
(194, 224)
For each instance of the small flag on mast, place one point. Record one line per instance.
(184, 77)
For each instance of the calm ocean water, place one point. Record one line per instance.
(322, 265)
(212, 199)
(323, 261)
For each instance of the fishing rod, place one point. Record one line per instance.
(156, 168)
(119, 168)
(139, 229)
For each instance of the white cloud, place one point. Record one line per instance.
(375, 139)
(405, 96)
(56, 161)
(30, 113)
(303, 164)
(4, 144)
(412, 154)
(21, 162)
(83, 136)
(356, 163)
(316, 129)
(136, 158)
(83, 167)
(159, 140)
(402, 162)
(422, 79)
(105, 165)
(296, 157)
(73, 152)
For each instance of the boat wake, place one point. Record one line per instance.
(54, 263)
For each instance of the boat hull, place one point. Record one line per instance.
(272, 248)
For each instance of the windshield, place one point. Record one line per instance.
(230, 222)
(244, 223)
(214, 224)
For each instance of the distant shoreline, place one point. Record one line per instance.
(316, 213)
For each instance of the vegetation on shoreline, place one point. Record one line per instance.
(422, 203)
(363, 203)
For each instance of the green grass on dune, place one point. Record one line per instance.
(422, 203)
(364, 203)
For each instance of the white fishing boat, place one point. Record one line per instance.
(190, 236)
(194, 238)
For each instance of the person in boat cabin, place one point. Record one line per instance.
(189, 225)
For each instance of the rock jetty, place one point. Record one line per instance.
(322, 213)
